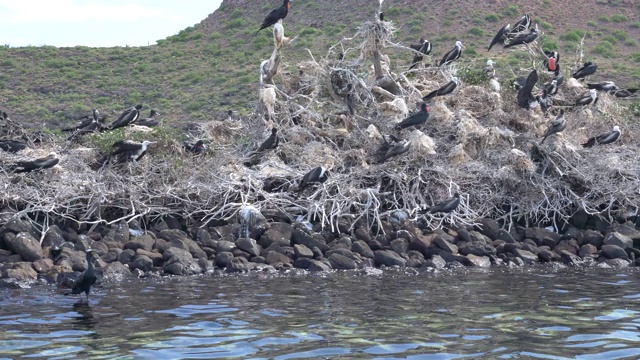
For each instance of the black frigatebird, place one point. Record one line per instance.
(603, 86)
(587, 69)
(590, 98)
(88, 278)
(557, 125)
(271, 142)
(275, 15)
(522, 39)
(150, 121)
(392, 148)
(525, 96)
(350, 100)
(127, 117)
(500, 37)
(12, 146)
(522, 25)
(46, 162)
(607, 138)
(544, 100)
(553, 85)
(552, 61)
(415, 119)
(452, 55)
(446, 206)
(127, 150)
(196, 148)
(425, 49)
(86, 120)
(317, 175)
(444, 90)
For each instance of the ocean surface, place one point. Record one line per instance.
(533, 313)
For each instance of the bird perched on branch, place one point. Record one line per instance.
(557, 125)
(452, 55)
(392, 148)
(587, 69)
(603, 139)
(47, 162)
(88, 278)
(500, 37)
(316, 176)
(270, 143)
(418, 118)
(424, 49)
(446, 89)
(523, 39)
(275, 15)
(150, 121)
(445, 206)
(126, 150)
(522, 25)
(129, 116)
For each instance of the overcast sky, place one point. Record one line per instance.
(97, 23)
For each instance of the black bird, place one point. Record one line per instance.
(150, 121)
(624, 93)
(444, 90)
(392, 148)
(552, 61)
(126, 150)
(519, 82)
(603, 139)
(425, 49)
(590, 98)
(522, 25)
(544, 100)
(525, 97)
(522, 39)
(275, 15)
(415, 119)
(88, 278)
(603, 86)
(317, 175)
(350, 100)
(196, 148)
(417, 46)
(552, 86)
(500, 37)
(127, 117)
(587, 69)
(86, 120)
(271, 142)
(446, 206)
(46, 162)
(381, 16)
(92, 126)
(452, 55)
(556, 126)
(12, 146)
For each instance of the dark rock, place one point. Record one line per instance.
(144, 242)
(179, 261)
(413, 254)
(279, 233)
(478, 237)
(629, 230)
(204, 239)
(527, 256)
(489, 228)
(302, 263)
(404, 234)
(415, 263)
(579, 219)
(16, 225)
(118, 235)
(388, 258)
(546, 255)
(142, 262)
(25, 245)
(615, 238)
(375, 245)
(531, 248)
(341, 251)
(301, 237)
(340, 262)
(587, 250)
(249, 245)
(239, 264)
(239, 253)
(258, 260)
(301, 251)
(479, 261)
(42, 265)
(439, 233)
(549, 241)
(19, 271)
(464, 235)
(614, 252)
(116, 272)
(361, 247)
(99, 247)
(223, 258)
(225, 246)
(538, 234)
(317, 265)
(362, 233)
(449, 257)
(477, 248)
(53, 237)
(594, 238)
(127, 256)
(400, 245)
(344, 225)
(274, 257)
(111, 256)
(421, 243)
(83, 243)
(569, 258)
(511, 247)
(446, 245)
(617, 263)
(573, 233)
(157, 258)
(274, 247)
(566, 246)
(505, 236)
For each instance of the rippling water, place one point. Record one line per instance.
(498, 314)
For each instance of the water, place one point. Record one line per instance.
(498, 314)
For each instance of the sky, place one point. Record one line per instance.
(97, 23)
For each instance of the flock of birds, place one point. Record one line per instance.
(521, 34)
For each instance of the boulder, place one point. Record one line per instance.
(616, 238)
(274, 257)
(240, 264)
(279, 233)
(477, 248)
(118, 235)
(42, 265)
(144, 242)
(436, 262)
(142, 262)
(362, 248)
(127, 256)
(301, 237)
(488, 227)
(19, 271)
(53, 237)
(362, 233)
(25, 245)
(400, 245)
(446, 245)
(527, 256)
(479, 261)
(156, 257)
(593, 237)
(249, 246)
(341, 251)
(388, 258)
(587, 250)
(179, 261)
(301, 251)
(223, 259)
(614, 252)
(340, 262)
(116, 272)
(317, 265)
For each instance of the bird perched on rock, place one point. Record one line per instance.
(392, 148)
(418, 118)
(12, 146)
(88, 278)
(587, 69)
(445, 206)
(126, 150)
(446, 89)
(452, 55)
(500, 37)
(275, 15)
(150, 121)
(424, 49)
(317, 175)
(195, 148)
(590, 98)
(129, 116)
(603, 139)
(557, 125)
(47, 162)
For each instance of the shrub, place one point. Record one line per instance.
(571, 35)
(603, 18)
(512, 10)
(476, 31)
(492, 18)
(619, 34)
(618, 18)
(609, 39)
(605, 49)
(635, 25)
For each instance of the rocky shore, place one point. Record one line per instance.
(169, 248)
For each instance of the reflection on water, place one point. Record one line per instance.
(499, 314)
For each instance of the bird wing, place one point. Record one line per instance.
(524, 94)
(448, 88)
(500, 36)
(608, 138)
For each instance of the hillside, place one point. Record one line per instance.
(201, 72)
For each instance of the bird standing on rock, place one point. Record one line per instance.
(88, 278)
(275, 15)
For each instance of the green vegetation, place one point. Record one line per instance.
(618, 18)
(512, 10)
(492, 18)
